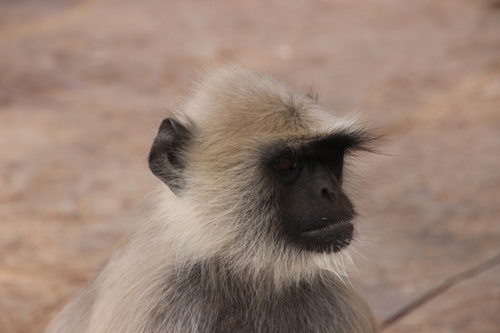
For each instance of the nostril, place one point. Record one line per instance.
(329, 195)
(326, 194)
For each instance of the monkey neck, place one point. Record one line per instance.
(214, 277)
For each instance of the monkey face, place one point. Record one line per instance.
(260, 163)
(303, 197)
(315, 213)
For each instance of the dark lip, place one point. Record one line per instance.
(324, 224)
(332, 237)
(338, 229)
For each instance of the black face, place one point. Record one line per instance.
(316, 214)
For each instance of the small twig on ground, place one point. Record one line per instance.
(433, 293)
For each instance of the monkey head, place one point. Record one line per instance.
(260, 164)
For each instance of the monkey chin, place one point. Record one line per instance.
(327, 239)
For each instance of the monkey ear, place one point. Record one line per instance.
(166, 160)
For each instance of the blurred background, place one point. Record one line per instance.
(84, 85)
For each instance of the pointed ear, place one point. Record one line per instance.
(166, 159)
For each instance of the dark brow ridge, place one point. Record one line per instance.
(346, 141)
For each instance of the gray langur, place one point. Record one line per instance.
(249, 235)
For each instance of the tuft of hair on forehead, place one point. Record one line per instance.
(241, 82)
(246, 101)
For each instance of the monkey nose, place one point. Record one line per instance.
(328, 194)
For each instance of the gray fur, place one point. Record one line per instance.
(210, 259)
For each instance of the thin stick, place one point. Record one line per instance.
(433, 293)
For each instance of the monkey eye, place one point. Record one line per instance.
(285, 164)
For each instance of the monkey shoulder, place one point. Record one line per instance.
(319, 307)
(304, 308)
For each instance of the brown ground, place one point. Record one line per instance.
(84, 85)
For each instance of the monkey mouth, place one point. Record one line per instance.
(327, 238)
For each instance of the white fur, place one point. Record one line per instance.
(232, 113)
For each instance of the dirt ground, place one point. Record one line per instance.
(84, 85)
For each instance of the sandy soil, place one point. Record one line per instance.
(84, 85)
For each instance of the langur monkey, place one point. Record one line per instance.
(249, 233)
